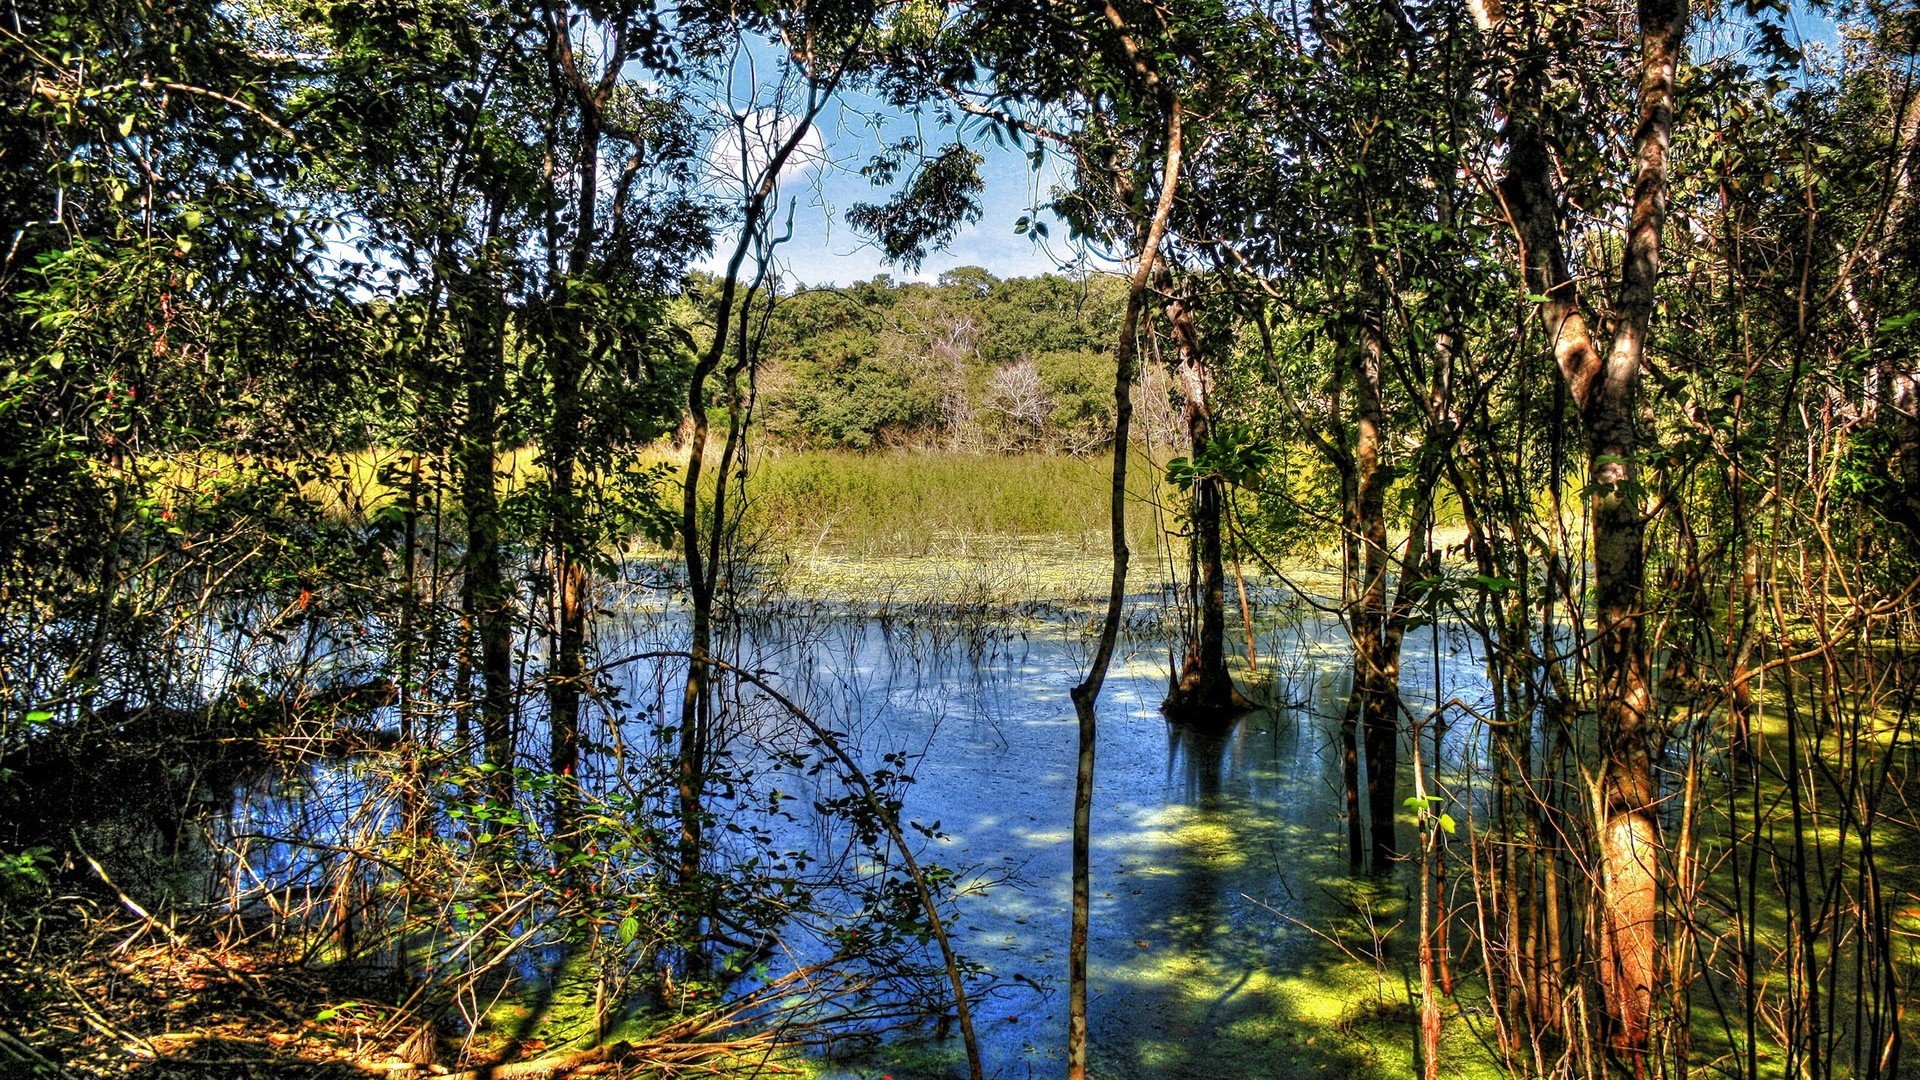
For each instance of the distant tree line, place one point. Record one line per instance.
(971, 362)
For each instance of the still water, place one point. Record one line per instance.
(1227, 938)
(1220, 884)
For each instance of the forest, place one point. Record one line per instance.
(959, 538)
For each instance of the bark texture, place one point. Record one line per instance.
(1605, 389)
(1372, 712)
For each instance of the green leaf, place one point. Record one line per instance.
(1447, 824)
(629, 929)
(126, 126)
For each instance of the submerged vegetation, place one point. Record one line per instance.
(1427, 587)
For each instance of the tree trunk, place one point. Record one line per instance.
(567, 541)
(484, 595)
(1203, 692)
(1086, 695)
(1350, 774)
(1606, 392)
(1376, 674)
(700, 542)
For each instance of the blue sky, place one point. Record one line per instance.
(825, 251)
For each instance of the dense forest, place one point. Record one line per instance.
(972, 364)
(1419, 577)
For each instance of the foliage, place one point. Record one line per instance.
(972, 362)
(340, 339)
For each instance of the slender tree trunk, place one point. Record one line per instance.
(1086, 695)
(1629, 843)
(1376, 674)
(700, 542)
(567, 540)
(1432, 919)
(1360, 682)
(484, 594)
(1246, 618)
(695, 702)
(1502, 622)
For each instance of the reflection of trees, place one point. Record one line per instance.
(1200, 757)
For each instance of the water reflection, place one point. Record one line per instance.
(1214, 850)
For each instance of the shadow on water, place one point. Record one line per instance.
(1220, 883)
(1203, 973)
(1226, 937)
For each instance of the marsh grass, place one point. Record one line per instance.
(940, 531)
(908, 502)
(348, 488)
(933, 502)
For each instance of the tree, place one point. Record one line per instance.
(1605, 391)
(1202, 691)
(459, 203)
(1330, 199)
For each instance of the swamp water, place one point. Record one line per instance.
(1227, 938)
(1222, 907)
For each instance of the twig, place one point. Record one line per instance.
(887, 818)
(20, 1049)
(173, 937)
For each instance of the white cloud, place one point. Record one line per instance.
(742, 149)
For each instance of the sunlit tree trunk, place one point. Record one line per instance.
(1605, 389)
(1376, 675)
(1203, 691)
